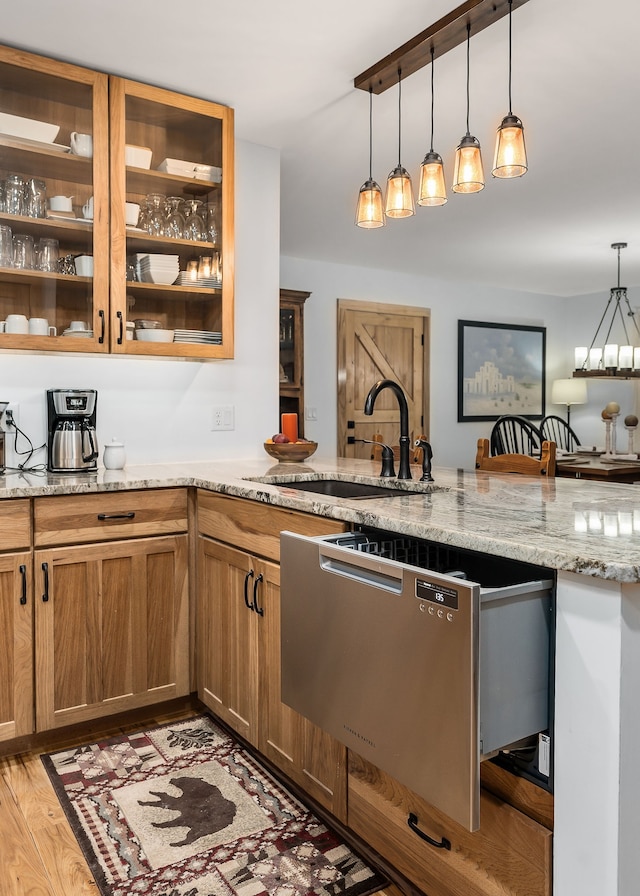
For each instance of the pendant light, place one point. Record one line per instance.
(399, 202)
(510, 158)
(432, 188)
(468, 176)
(369, 212)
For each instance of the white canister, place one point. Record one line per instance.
(114, 457)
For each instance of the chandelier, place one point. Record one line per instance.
(604, 357)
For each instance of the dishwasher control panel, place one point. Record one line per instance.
(438, 594)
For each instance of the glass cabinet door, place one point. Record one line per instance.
(54, 178)
(172, 199)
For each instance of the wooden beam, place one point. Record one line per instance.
(445, 34)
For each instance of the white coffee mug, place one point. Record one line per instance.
(16, 323)
(78, 325)
(39, 326)
(81, 144)
(84, 265)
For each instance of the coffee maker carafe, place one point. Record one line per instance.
(72, 443)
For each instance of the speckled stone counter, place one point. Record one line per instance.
(572, 525)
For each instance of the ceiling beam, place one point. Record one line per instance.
(443, 35)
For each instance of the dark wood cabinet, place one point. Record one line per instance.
(292, 354)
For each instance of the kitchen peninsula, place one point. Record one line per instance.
(583, 531)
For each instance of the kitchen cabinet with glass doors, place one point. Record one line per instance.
(43, 104)
(171, 223)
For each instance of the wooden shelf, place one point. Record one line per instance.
(169, 291)
(146, 180)
(25, 158)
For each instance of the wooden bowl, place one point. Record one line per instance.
(290, 452)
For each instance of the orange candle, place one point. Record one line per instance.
(289, 426)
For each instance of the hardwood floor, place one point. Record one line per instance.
(39, 855)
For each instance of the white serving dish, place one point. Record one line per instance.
(137, 156)
(182, 168)
(84, 265)
(29, 128)
(154, 335)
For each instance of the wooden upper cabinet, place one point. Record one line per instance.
(292, 354)
(35, 90)
(190, 171)
(185, 198)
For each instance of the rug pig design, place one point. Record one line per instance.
(201, 807)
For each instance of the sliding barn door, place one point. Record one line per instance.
(375, 342)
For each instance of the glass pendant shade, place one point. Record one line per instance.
(468, 174)
(432, 188)
(369, 212)
(511, 155)
(399, 202)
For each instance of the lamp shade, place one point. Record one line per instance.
(432, 188)
(369, 212)
(570, 391)
(468, 175)
(511, 155)
(399, 203)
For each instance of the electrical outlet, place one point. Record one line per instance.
(223, 418)
(12, 411)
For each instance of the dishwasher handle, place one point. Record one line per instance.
(364, 568)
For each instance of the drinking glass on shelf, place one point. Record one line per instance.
(194, 228)
(6, 246)
(47, 255)
(23, 251)
(210, 216)
(35, 198)
(14, 194)
(156, 215)
(174, 226)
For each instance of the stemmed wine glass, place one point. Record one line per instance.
(157, 214)
(174, 225)
(194, 227)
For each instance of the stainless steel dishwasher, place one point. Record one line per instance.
(394, 647)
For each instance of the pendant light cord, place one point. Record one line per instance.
(468, 44)
(399, 116)
(432, 56)
(370, 133)
(510, 7)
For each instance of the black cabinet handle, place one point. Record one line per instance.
(117, 516)
(258, 609)
(101, 336)
(23, 594)
(121, 327)
(248, 603)
(45, 594)
(412, 821)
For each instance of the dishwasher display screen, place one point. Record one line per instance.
(438, 594)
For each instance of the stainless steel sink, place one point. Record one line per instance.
(343, 488)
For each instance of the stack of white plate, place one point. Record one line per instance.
(183, 168)
(157, 268)
(185, 279)
(205, 336)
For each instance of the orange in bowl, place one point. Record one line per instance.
(290, 452)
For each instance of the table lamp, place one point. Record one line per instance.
(571, 391)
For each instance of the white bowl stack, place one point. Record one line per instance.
(158, 268)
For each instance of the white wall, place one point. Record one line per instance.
(453, 443)
(162, 409)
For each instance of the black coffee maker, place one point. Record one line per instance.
(72, 446)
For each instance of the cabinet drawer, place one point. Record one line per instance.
(510, 855)
(75, 519)
(255, 526)
(15, 524)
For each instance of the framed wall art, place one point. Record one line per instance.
(501, 370)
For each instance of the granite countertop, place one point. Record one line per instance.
(585, 527)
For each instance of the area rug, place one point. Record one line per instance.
(184, 810)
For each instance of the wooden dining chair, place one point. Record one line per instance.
(512, 434)
(557, 430)
(545, 465)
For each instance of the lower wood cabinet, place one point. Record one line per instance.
(111, 628)
(238, 627)
(16, 644)
(511, 854)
